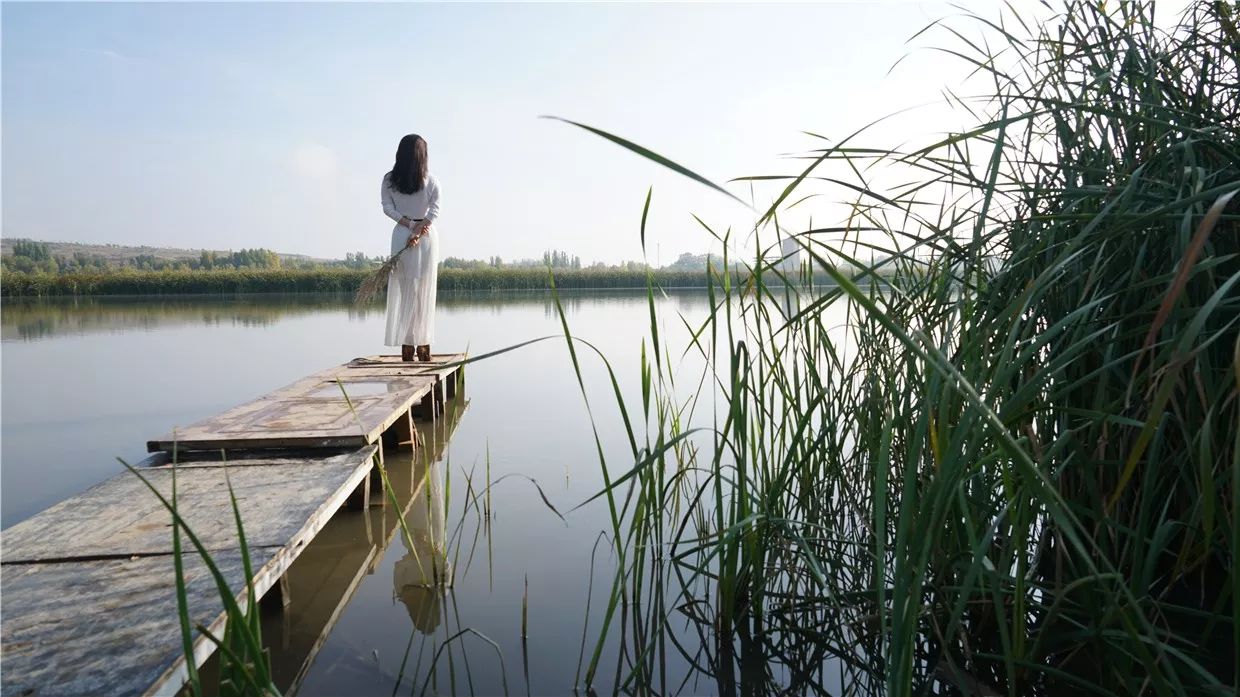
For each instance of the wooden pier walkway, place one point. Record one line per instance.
(324, 410)
(88, 587)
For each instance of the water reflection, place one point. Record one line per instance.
(325, 577)
(45, 318)
(420, 577)
(348, 630)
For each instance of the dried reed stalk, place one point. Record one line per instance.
(377, 280)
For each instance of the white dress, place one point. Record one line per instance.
(411, 289)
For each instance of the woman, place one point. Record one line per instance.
(411, 198)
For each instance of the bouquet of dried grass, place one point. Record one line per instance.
(377, 280)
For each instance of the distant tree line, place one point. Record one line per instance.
(245, 259)
(33, 270)
(35, 257)
(555, 259)
(30, 256)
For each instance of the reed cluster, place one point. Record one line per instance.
(231, 281)
(1011, 468)
(180, 282)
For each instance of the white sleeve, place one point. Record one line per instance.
(432, 195)
(389, 204)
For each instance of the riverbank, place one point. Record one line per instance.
(229, 281)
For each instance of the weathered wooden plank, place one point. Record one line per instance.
(104, 627)
(394, 371)
(120, 517)
(441, 365)
(437, 359)
(109, 626)
(310, 413)
(333, 416)
(259, 440)
(315, 412)
(227, 458)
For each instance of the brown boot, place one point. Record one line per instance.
(424, 353)
(406, 352)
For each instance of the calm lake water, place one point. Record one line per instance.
(88, 381)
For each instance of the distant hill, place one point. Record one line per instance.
(119, 254)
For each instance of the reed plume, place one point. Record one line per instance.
(377, 280)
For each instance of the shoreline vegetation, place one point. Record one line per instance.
(233, 281)
(34, 269)
(14, 285)
(1008, 478)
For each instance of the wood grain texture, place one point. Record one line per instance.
(121, 517)
(437, 361)
(332, 408)
(441, 365)
(103, 627)
(88, 587)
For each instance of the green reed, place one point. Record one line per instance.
(244, 664)
(1011, 467)
(230, 281)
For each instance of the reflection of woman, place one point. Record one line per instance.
(411, 198)
(421, 575)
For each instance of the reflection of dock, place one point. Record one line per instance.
(324, 578)
(88, 584)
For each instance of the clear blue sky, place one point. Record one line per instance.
(270, 125)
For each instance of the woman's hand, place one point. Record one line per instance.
(420, 230)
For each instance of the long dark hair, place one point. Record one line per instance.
(408, 175)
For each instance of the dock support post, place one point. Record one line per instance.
(380, 497)
(454, 382)
(376, 483)
(428, 406)
(360, 498)
(402, 433)
(277, 599)
(278, 595)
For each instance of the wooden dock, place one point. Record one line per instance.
(88, 584)
(349, 405)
